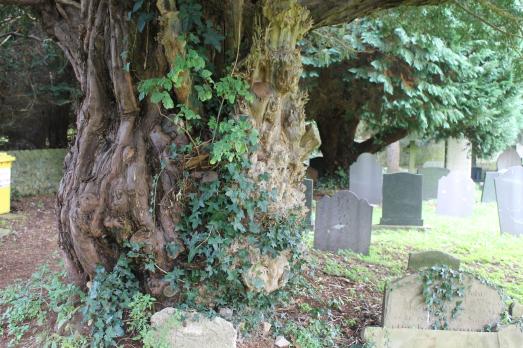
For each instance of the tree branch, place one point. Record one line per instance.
(380, 141)
(330, 12)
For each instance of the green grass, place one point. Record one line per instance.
(36, 172)
(476, 241)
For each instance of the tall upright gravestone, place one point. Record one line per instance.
(343, 221)
(431, 176)
(402, 199)
(366, 178)
(489, 191)
(455, 195)
(509, 195)
(509, 158)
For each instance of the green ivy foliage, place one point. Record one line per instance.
(30, 303)
(227, 218)
(110, 295)
(442, 286)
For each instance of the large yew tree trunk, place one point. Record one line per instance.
(336, 109)
(106, 196)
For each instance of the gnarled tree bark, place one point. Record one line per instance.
(104, 197)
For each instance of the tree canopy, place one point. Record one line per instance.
(435, 72)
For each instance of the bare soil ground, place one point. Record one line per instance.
(33, 239)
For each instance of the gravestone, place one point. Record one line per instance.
(489, 191)
(509, 196)
(516, 311)
(431, 176)
(343, 221)
(366, 178)
(309, 193)
(404, 305)
(402, 199)
(509, 158)
(455, 195)
(519, 150)
(476, 174)
(427, 259)
(507, 337)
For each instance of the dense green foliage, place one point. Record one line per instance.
(435, 72)
(37, 85)
(110, 295)
(442, 287)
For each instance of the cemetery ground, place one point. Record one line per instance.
(337, 295)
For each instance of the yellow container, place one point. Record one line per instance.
(5, 182)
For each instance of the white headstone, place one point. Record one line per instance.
(366, 178)
(455, 195)
(509, 196)
(509, 158)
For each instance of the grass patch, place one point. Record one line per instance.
(476, 241)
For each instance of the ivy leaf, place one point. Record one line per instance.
(212, 38)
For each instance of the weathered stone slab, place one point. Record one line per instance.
(366, 178)
(177, 329)
(431, 176)
(510, 337)
(402, 199)
(509, 158)
(427, 259)
(343, 221)
(516, 311)
(489, 191)
(455, 195)
(404, 305)
(309, 193)
(509, 196)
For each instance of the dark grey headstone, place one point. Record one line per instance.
(455, 195)
(366, 178)
(509, 158)
(476, 174)
(309, 192)
(427, 259)
(509, 195)
(489, 192)
(343, 221)
(431, 176)
(402, 199)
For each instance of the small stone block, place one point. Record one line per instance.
(427, 259)
(517, 311)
